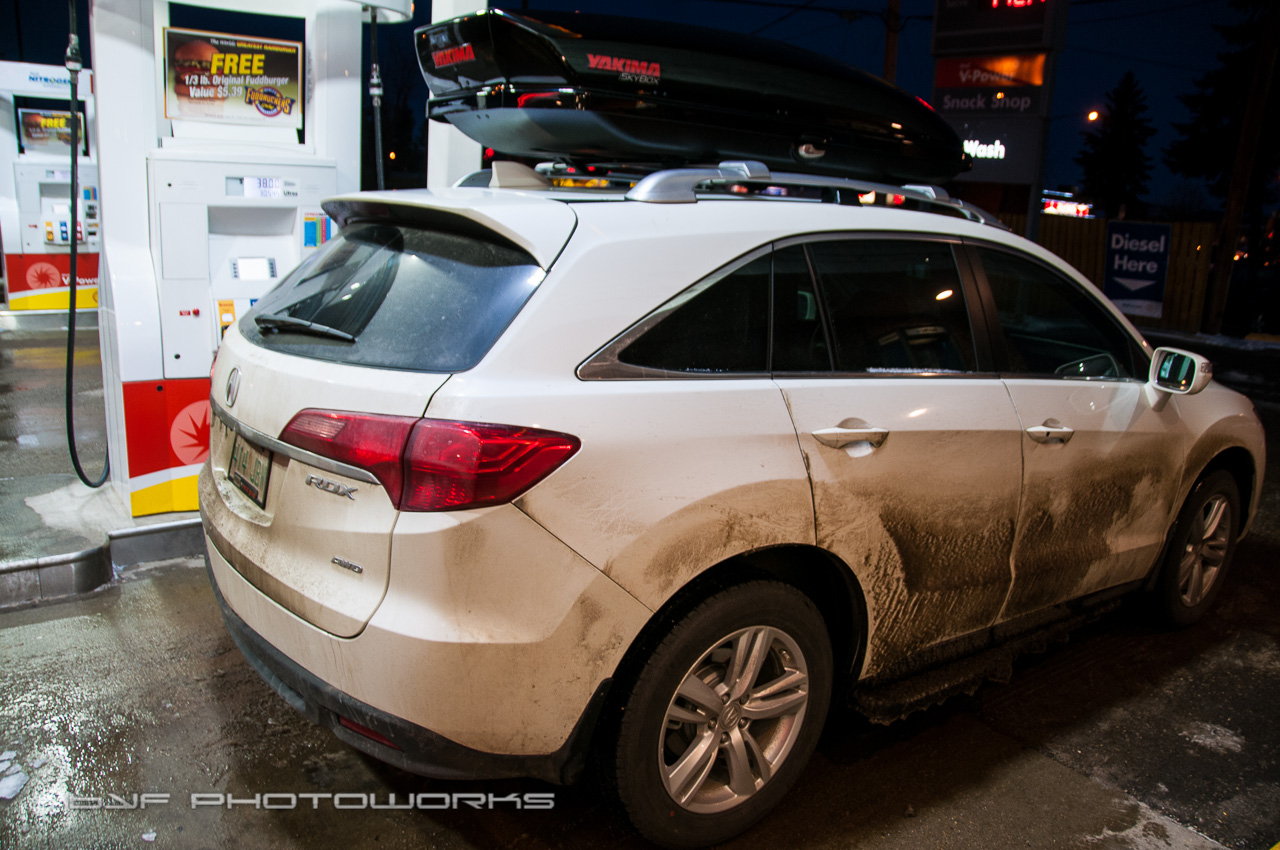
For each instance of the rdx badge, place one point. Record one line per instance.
(331, 486)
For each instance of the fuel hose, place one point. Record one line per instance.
(73, 66)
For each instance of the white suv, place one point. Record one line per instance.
(506, 477)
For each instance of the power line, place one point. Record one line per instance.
(778, 4)
(1130, 56)
(1160, 11)
(812, 7)
(1094, 2)
(774, 23)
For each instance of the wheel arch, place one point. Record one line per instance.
(1242, 466)
(1238, 462)
(821, 576)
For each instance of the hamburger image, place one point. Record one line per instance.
(194, 59)
(33, 127)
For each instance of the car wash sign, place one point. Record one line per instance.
(1003, 150)
(996, 104)
(1136, 266)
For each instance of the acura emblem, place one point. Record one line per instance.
(233, 386)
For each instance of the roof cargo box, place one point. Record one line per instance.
(607, 89)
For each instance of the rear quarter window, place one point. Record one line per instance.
(721, 328)
(409, 299)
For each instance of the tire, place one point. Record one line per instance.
(1200, 550)
(698, 758)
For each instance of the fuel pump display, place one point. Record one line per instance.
(229, 228)
(35, 189)
(222, 147)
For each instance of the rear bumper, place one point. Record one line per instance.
(409, 746)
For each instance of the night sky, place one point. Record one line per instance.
(1166, 43)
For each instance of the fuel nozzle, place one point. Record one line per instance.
(74, 63)
(375, 85)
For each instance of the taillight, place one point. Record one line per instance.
(435, 464)
(453, 465)
(370, 442)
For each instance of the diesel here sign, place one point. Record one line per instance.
(1136, 265)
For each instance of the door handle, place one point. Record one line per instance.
(839, 437)
(1052, 431)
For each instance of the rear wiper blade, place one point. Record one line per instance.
(275, 322)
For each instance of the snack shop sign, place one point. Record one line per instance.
(232, 79)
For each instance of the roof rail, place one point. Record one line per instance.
(679, 186)
(676, 185)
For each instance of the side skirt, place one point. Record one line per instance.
(961, 665)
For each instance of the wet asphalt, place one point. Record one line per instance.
(1126, 736)
(34, 459)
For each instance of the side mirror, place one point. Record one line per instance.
(1180, 372)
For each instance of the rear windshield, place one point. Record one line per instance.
(397, 298)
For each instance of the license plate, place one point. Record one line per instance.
(250, 468)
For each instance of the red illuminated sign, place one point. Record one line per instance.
(997, 26)
(1074, 209)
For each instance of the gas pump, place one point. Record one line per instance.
(223, 144)
(35, 188)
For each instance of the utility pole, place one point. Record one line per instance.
(1241, 172)
(892, 26)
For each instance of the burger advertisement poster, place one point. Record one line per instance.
(232, 79)
(48, 131)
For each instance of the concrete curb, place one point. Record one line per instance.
(58, 577)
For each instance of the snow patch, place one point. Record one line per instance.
(12, 785)
(1154, 831)
(1219, 739)
(75, 507)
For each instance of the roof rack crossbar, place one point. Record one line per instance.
(936, 192)
(859, 186)
(676, 185)
(980, 215)
(679, 186)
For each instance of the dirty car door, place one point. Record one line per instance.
(913, 454)
(1100, 465)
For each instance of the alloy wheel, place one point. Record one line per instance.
(1206, 550)
(733, 719)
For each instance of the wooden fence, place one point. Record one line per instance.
(1083, 244)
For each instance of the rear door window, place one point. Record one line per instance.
(799, 339)
(893, 305)
(815, 306)
(398, 298)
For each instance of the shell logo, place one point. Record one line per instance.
(43, 276)
(189, 434)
